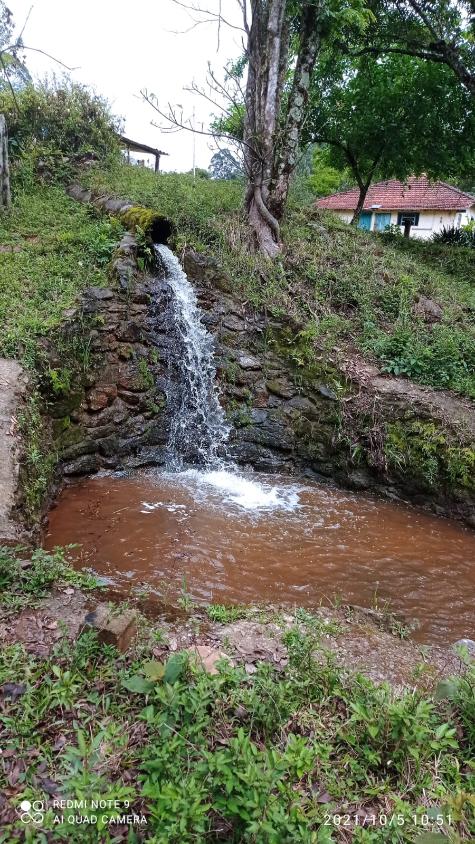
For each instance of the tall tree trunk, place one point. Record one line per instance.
(360, 204)
(5, 195)
(264, 49)
(310, 37)
(271, 140)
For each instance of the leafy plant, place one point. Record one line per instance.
(23, 581)
(456, 236)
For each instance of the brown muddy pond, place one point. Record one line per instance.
(235, 537)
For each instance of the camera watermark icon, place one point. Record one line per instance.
(32, 811)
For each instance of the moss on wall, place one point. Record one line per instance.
(426, 451)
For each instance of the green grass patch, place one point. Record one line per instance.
(23, 582)
(343, 284)
(52, 248)
(292, 756)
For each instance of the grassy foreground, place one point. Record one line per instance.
(304, 754)
(344, 285)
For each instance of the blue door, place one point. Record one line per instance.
(381, 221)
(365, 220)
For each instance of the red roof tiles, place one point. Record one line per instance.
(417, 194)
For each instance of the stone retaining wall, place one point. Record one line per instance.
(289, 416)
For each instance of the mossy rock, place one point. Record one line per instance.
(155, 226)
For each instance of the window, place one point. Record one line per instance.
(411, 217)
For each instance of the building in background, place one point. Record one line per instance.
(420, 207)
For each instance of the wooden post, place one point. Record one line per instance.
(5, 195)
(157, 162)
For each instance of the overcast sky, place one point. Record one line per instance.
(120, 47)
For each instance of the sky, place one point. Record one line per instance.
(122, 47)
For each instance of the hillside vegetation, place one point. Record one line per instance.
(344, 286)
(51, 249)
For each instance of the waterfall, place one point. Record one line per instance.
(198, 429)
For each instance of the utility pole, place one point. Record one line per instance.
(194, 143)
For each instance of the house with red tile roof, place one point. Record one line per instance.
(420, 207)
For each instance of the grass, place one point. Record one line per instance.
(173, 755)
(52, 248)
(23, 582)
(308, 754)
(343, 285)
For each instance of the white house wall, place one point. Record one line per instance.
(429, 221)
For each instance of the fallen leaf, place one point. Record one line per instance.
(153, 669)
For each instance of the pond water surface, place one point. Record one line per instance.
(235, 537)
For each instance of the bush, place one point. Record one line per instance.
(456, 237)
(55, 124)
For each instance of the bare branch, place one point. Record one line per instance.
(179, 123)
(24, 25)
(217, 16)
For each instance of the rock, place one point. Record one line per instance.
(359, 479)
(129, 332)
(327, 392)
(99, 398)
(88, 464)
(259, 416)
(222, 282)
(13, 385)
(281, 387)
(86, 446)
(100, 293)
(148, 456)
(131, 379)
(113, 627)
(271, 434)
(428, 309)
(108, 447)
(254, 641)
(234, 323)
(247, 361)
(261, 399)
(207, 658)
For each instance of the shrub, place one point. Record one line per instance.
(56, 123)
(454, 236)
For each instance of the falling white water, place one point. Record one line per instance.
(198, 428)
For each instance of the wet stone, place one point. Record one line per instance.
(281, 387)
(100, 293)
(88, 464)
(246, 361)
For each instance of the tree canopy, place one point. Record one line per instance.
(392, 116)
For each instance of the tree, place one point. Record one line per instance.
(325, 178)
(13, 73)
(365, 111)
(440, 31)
(282, 39)
(224, 165)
